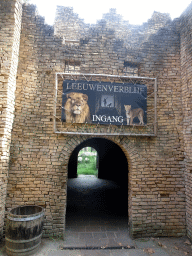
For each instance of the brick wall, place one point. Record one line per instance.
(10, 19)
(186, 63)
(159, 167)
(39, 158)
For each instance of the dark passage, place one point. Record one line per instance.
(112, 163)
(97, 208)
(90, 197)
(96, 214)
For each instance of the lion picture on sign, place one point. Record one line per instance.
(76, 108)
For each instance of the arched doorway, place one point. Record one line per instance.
(112, 160)
(103, 198)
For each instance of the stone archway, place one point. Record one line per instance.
(133, 157)
(113, 167)
(111, 160)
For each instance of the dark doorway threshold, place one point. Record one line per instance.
(96, 215)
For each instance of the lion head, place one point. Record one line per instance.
(127, 108)
(76, 108)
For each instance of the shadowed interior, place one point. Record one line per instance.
(104, 198)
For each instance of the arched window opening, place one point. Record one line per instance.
(87, 162)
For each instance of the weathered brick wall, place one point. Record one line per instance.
(39, 158)
(10, 20)
(68, 24)
(186, 64)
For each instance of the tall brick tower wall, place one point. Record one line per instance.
(157, 166)
(186, 74)
(10, 23)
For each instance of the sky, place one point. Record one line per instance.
(134, 11)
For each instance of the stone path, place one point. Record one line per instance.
(143, 247)
(97, 218)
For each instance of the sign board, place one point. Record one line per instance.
(104, 103)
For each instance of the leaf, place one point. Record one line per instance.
(162, 245)
(187, 242)
(185, 253)
(120, 244)
(149, 250)
(128, 246)
(176, 248)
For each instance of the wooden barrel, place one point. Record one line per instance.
(24, 230)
